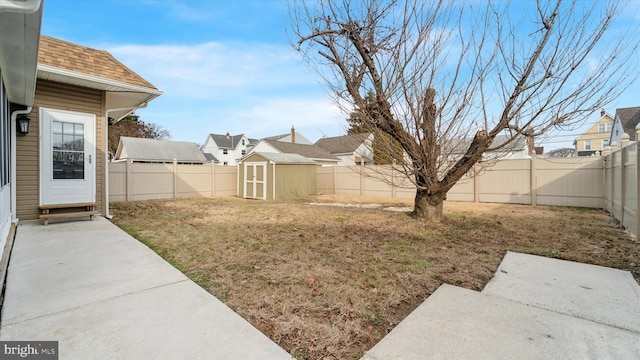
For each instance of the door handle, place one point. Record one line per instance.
(89, 158)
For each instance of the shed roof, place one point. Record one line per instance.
(309, 151)
(153, 150)
(284, 158)
(342, 144)
(629, 118)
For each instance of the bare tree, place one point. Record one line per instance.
(450, 78)
(561, 153)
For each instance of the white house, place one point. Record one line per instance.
(515, 149)
(292, 137)
(625, 121)
(313, 152)
(351, 149)
(227, 149)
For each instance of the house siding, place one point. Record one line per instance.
(595, 137)
(62, 97)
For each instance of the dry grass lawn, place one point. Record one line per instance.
(328, 282)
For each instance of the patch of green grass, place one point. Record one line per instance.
(300, 354)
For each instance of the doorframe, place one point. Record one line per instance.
(41, 152)
(254, 164)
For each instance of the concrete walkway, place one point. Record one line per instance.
(104, 295)
(534, 308)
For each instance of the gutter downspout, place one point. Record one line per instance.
(14, 157)
(106, 153)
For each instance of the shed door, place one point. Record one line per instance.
(255, 177)
(67, 157)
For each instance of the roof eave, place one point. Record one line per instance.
(48, 72)
(19, 43)
(120, 95)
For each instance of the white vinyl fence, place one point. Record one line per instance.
(608, 182)
(143, 181)
(621, 184)
(564, 181)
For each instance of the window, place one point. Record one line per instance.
(244, 152)
(587, 144)
(225, 151)
(68, 150)
(242, 141)
(605, 143)
(605, 128)
(226, 163)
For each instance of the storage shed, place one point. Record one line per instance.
(270, 176)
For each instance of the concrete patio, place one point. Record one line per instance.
(103, 295)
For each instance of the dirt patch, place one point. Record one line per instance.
(328, 282)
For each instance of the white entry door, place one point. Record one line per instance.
(255, 176)
(67, 157)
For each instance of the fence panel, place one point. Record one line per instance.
(143, 181)
(576, 181)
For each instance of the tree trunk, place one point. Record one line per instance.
(428, 206)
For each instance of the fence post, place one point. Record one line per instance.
(334, 179)
(362, 178)
(534, 179)
(127, 184)
(175, 179)
(614, 153)
(606, 159)
(623, 162)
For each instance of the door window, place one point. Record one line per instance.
(68, 150)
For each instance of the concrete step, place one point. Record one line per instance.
(456, 323)
(604, 295)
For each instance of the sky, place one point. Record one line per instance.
(223, 66)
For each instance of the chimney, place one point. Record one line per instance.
(602, 113)
(293, 135)
(228, 135)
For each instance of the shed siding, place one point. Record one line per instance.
(64, 97)
(294, 181)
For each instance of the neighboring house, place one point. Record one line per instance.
(350, 149)
(292, 137)
(596, 138)
(516, 149)
(227, 149)
(158, 151)
(625, 121)
(313, 152)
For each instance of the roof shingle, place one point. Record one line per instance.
(629, 118)
(308, 151)
(73, 57)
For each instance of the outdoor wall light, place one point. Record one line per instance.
(23, 124)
